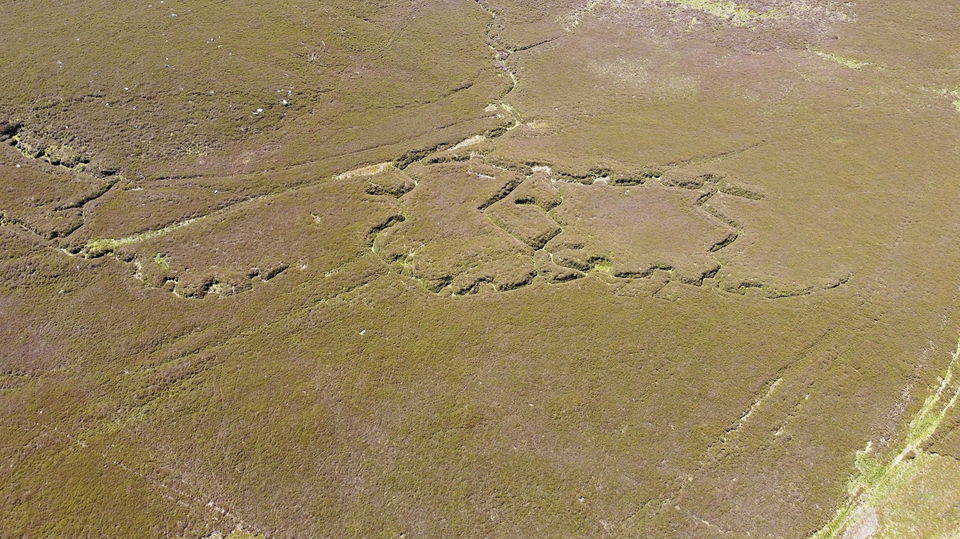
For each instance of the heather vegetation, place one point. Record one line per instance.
(484, 268)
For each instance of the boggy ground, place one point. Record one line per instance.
(481, 268)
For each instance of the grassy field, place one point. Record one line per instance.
(483, 268)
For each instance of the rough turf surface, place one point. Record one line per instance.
(485, 268)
